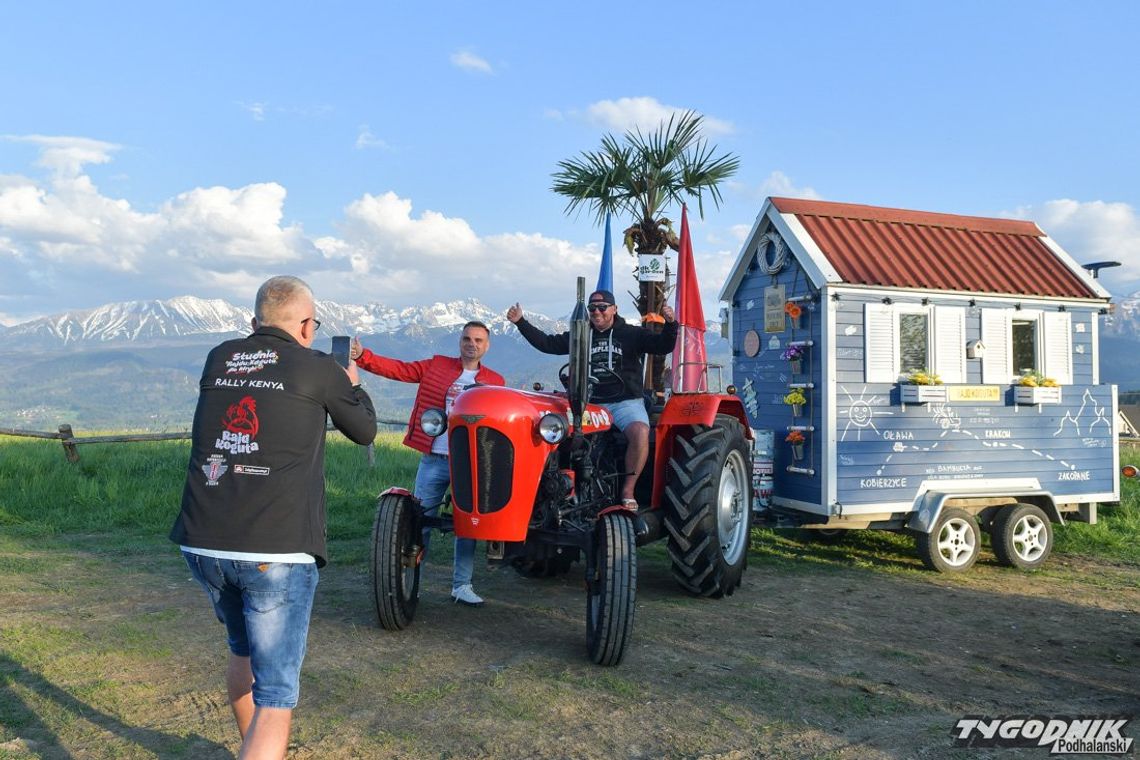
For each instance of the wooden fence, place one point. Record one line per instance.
(66, 436)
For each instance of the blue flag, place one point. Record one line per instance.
(606, 275)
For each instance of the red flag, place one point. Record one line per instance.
(690, 372)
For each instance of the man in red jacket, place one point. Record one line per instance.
(440, 378)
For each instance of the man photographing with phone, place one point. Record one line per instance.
(252, 525)
(441, 378)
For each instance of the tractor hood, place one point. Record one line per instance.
(497, 456)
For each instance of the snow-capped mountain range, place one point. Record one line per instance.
(189, 319)
(135, 365)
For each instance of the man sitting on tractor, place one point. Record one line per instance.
(440, 378)
(617, 352)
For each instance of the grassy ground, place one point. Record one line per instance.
(107, 649)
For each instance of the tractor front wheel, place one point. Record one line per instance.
(611, 590)
(707, 511)
(397, 551)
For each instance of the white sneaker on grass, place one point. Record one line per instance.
(465, 594)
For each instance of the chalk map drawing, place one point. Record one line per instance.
(862, 411)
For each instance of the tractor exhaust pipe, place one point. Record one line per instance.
(579, 390)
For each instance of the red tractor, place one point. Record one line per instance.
(537, 475)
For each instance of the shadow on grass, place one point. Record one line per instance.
(23, 718)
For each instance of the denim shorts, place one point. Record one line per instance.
(627, 412)
(265, 607)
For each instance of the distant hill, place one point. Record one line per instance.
(135, 365)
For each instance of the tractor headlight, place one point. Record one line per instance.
(433, 423)
(552, 427)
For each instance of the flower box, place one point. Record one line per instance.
(1037, 394)
(796, 365)
(922, 394)
(797, 452)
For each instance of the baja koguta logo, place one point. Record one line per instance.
(1063, 735)
(243, 362)
(239, 428)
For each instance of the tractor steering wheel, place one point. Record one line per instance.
(595, 372)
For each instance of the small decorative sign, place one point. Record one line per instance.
(751, 343)
(774, 309)
(651, 267)
(973, 394)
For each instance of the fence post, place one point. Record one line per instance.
(371, 454)
(69, 449)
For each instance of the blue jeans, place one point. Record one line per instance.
(265, 607)
(432, 479)
(627, 412)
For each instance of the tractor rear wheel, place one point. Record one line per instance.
(707, 512)
(396, 554)
(611, 590)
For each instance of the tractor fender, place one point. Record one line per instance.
(929, 506)
(684, 409)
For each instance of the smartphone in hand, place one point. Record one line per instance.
(340, 349)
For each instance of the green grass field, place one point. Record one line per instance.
(134, 489)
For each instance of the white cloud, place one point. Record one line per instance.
(365, 139)
(67, 155)
(646, 114)
(255, 110)
(465, 59)
(778, 184)
(64, 244)
(1093, 231)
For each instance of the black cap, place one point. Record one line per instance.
(603, 295)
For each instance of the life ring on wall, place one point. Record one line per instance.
(771, 243)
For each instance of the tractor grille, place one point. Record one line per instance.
(495, 462)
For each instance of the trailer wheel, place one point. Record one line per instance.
(1022, 536)
(611, 590)
(394, 565)
(707, 511)
(952, 544)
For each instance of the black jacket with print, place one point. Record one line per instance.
(256, 480)
(621, 348)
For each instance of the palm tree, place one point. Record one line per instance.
(641, 175)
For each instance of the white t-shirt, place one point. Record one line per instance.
(439, 445)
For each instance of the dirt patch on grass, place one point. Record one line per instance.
(851, 652)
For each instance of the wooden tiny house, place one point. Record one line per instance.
(949, 373)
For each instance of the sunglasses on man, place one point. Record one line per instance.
(599, 306)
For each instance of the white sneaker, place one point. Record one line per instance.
(465, 594)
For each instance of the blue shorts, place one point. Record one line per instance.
(627, 412)
(265, 607)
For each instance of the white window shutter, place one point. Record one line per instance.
(881, 345)
(997, 337)
(950, 343)
(1057, 346)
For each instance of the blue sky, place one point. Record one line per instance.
(402, 152)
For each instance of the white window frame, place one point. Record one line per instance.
(1053, 347)
(945, 341)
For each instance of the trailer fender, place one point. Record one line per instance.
(929, 506)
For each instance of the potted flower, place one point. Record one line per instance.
(796, 438)
(921, 386)
(794, 355)
(793, 311)
(795, 399)
(1034, 388)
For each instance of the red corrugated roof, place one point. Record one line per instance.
(871, 245)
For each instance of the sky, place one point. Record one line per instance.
(402, 153)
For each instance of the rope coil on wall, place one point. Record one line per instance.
(779, 252)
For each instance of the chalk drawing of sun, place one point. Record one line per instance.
(861, 413)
